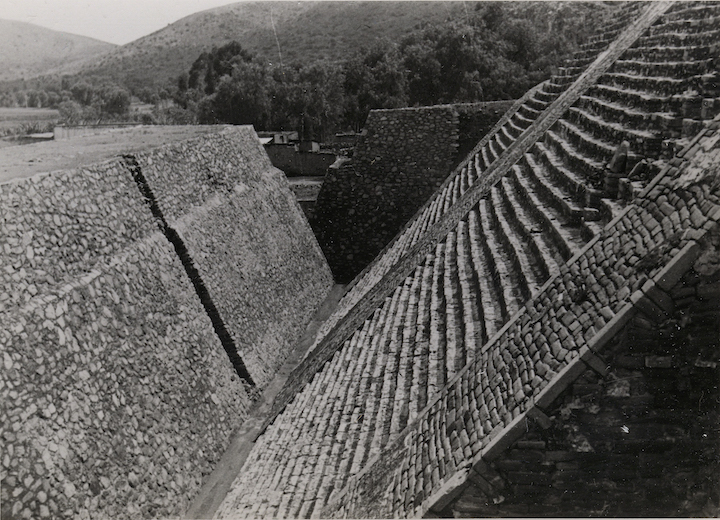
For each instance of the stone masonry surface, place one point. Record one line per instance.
(56, 227)
(400, 161)
(116, 395)
(647, 245)
(564, 223)
(265, 275)
(634, 436)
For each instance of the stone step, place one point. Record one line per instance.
(638, 52)
(638, 99)
(505, 137)
(585, 143)
(556, 87)
(385, 345)
(522, 121)
(589, 137)
(642, 142)
(343, 410)
(446, 199)
(436, 359)
(648, 68)
(418, 386)
(690, 21)
(465, 179)
(694, 9)
(661, 86)
(423, 222)
(546, 255)
(474, 333)
(632, 118)
(571, 73)
(477, 160)
(584, 56)
(473, 172)
(570, 169)
(455, 348)
(534, 178)
(591, 169)
(564, 77)
(537, 103)
(513, 129)
(543, 97)
(455, 191)
(494, 312)
(527, 273)
(408, 357)
(529, 112)
(569, 235)
(485, 157)
(503, 277)
(579, 62)
(494, 149)
(679, 39)
(599, 43)
(502, 142)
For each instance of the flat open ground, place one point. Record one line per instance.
(32, 159)
(11, 118)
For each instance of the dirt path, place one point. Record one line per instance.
(218, 483)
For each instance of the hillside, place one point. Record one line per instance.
(29, 50)
(305, 31)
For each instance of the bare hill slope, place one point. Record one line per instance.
(29, 50)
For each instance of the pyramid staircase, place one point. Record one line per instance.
(464, 188)
(482, 258)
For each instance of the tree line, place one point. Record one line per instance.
(495, 52)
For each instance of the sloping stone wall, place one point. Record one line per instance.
(116, 397)
(401, 160)
(56, 227)
(246, 235)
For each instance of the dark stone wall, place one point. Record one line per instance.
(403, 157)
(116, 396)
(641, 440)
(475, 120)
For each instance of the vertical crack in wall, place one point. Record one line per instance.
(174, 238)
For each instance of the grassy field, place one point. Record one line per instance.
(19, 121)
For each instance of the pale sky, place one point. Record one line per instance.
(114, 21)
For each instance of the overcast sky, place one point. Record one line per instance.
(114, 21)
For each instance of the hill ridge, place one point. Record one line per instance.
(30, 50)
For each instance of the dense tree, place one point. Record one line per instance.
(114, 101)
(309, 99)
(374, 78)
(496, 51)
(209, 67)
(239, 98)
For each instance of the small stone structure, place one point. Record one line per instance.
(298, 163)
(403, 157)
(117, 393)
